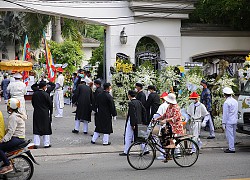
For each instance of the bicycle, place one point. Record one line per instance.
(142, 153)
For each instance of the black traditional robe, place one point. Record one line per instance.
(105, 110)
(42, 118)
(141, 97)
(98, 91)
(136, 114)
(152, 105)
(83, 98)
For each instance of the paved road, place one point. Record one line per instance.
(65, 142)
(74, 157)
(212, 164)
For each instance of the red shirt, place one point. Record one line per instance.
(174, 113)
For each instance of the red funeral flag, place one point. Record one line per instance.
(26, 56)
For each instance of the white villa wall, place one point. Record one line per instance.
(164, 29)
(192, 46)
(87, 55)
(166, 32)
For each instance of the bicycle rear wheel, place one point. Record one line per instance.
(141, 155)
(186, 153)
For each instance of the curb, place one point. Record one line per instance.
(43, 153)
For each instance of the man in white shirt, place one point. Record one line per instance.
(59, 99)
(229, 118)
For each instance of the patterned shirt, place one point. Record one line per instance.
(206, 99)
(174, 112)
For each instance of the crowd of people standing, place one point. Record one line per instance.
(94, 96)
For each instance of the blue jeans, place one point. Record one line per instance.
(6, 146)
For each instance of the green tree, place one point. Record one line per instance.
(93, 31)
(96, 32)
(98, 57)
(233, 13)
(36, 24)
(12, 30)
(67, 52)
(71, 29)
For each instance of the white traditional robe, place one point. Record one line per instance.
(59, 99)
(17, 90)
(197, 111)
(59, 91)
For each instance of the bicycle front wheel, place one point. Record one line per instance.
(141, 155)
(186, 153)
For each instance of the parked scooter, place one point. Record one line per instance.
(22, 161)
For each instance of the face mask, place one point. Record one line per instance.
(149, 92)
(136, 90)
(94, 87)
(81, 75)
(45, 89)
(192, 100)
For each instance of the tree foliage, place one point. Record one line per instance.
(97, 32)
(67, 52)
(93, 31)
(12, 29)
(36, 24)
(97, 57)
(15, 25)
(234, 13)
(71, 29)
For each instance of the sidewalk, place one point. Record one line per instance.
(64, 142)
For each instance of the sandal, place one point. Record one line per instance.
(170, 146)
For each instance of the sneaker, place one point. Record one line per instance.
(123, 154)
(92, 142)
(210, 137)
(85, 132)
(229, 151)
(47, 146)
(107, 144)
(6, 169)
(75, 131)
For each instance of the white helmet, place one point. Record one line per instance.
(13, 103)
(228, 90)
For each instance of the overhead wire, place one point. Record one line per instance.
(108, 18)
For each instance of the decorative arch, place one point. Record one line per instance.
(150, 49)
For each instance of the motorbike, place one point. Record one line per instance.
(22, 161)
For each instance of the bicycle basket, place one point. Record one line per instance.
(143, 131)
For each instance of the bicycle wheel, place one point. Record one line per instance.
(141, 155)
(186, 153)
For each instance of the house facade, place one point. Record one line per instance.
(158, 20)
